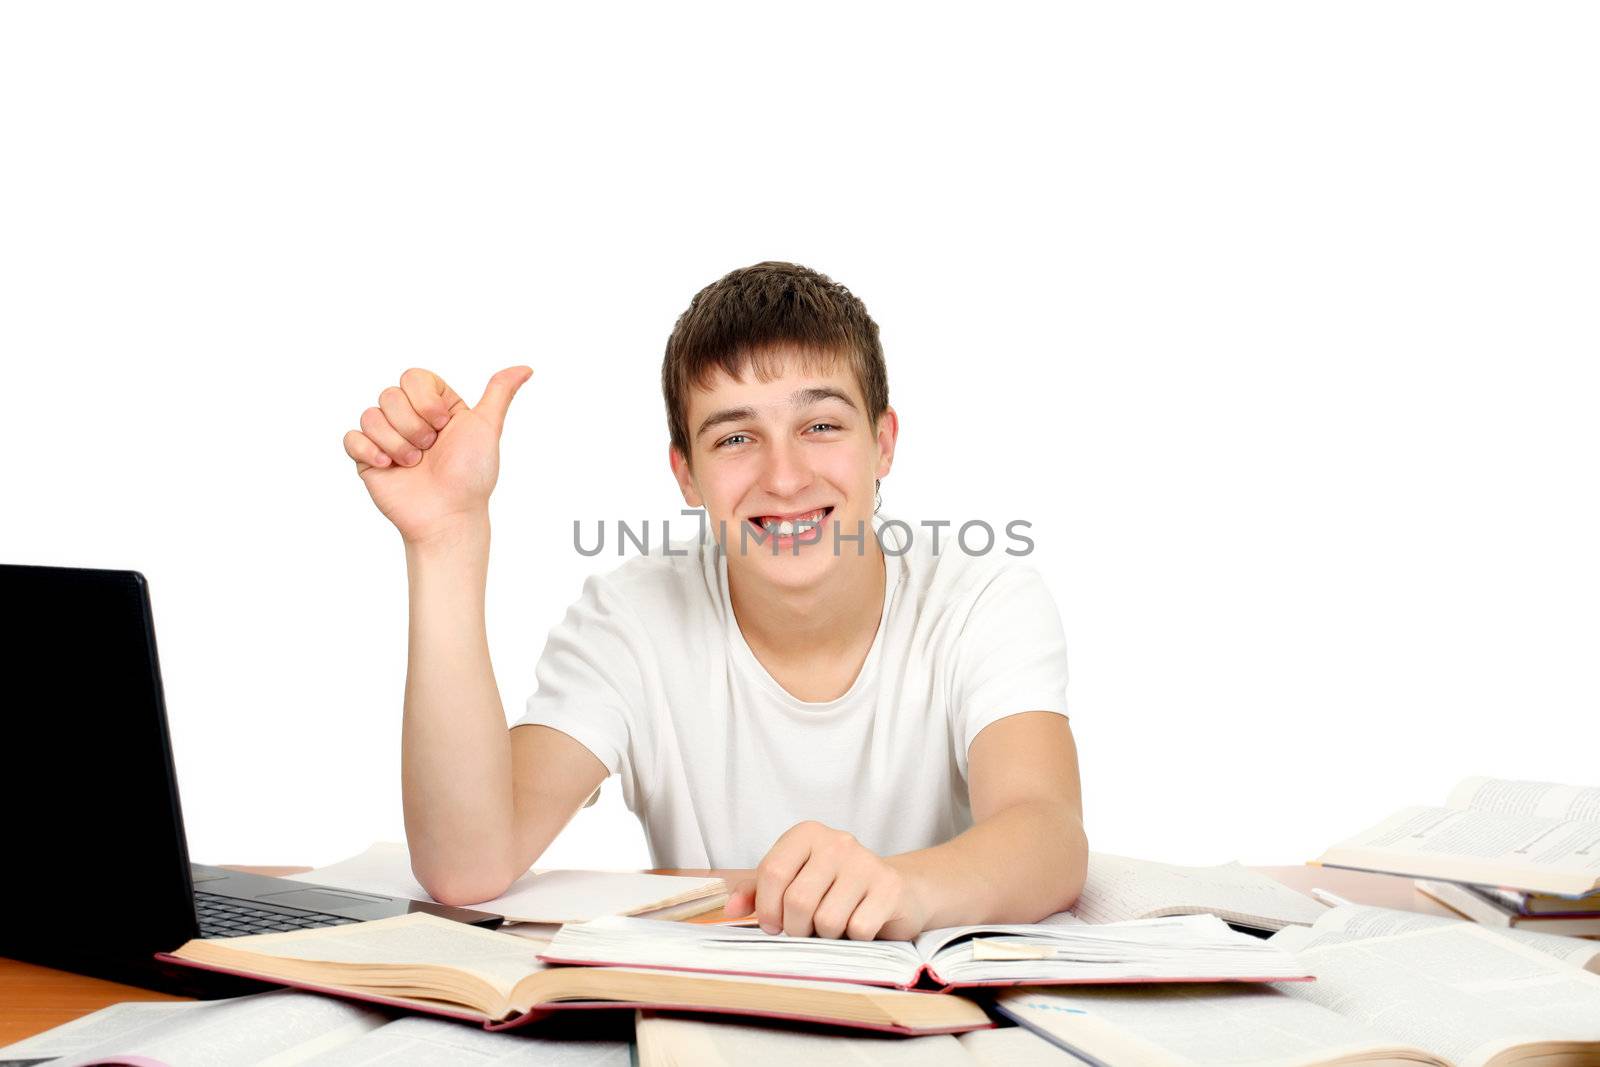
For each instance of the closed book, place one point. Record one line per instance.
(1525, 903)
(1491, 910)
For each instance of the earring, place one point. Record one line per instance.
(877, 495)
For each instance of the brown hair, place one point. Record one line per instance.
(740, 321)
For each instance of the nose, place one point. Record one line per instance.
(785, 473)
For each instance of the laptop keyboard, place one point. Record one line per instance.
(232, 917)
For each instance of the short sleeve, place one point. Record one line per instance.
(1011, 656)
(588, 676)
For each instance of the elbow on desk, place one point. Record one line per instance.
(464, 888)
(1077, 866)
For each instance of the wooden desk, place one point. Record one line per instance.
(34, 999)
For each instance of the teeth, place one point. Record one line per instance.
(790, 527)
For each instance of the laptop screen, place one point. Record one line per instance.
(96, 870)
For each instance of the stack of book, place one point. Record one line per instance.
(1493, 905)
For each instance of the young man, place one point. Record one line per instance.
(882, 734)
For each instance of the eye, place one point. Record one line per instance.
(822, 426)
(731, 438)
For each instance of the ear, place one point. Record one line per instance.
(888, 435)
(681, 471)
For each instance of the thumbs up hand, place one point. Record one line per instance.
(427, 459)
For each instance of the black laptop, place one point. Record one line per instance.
(94, 867)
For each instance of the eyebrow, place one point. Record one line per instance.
(799, 398)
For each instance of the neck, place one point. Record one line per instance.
(836, 617)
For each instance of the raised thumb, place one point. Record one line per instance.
(498, 393)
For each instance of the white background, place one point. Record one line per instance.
(1277, 321)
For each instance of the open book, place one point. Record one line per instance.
(538, 896)
(1353, 922)
(1436, 992)
(1528, 835)
(664, 1041)
(1191, 948)
(428, 964)
(1119, 888)
(288, 1029)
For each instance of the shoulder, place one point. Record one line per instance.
(679, 582)
(990, 627)
(946, 572)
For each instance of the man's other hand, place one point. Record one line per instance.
(818, 881)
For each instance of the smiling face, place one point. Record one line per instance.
(777, 463)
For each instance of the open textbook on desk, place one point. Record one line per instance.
(666, 1041)
(1392, 987)
(1189, 948)
(539, 896)
(1536, 836)
(1119, 888)
(429, 964)
(432, 965)
(288, 1029)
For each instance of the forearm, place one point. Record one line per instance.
(455, 751)
(1019, 865)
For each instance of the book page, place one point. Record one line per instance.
(670, 1040)
(1547, 800)
(419, 1041)
(1193, 1026)
(1015, 1046)
(541, 933)
(1352, 922)
(407, 940)
(276, 1029)
(538, 896)
(1478, 846)
(1121, 888)
(652, 943)
(120, 1022)
(1182, 947)
(1063, 927)
(1456, 990)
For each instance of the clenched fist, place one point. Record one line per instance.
(428, 460)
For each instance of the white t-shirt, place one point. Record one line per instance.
(650, 671)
